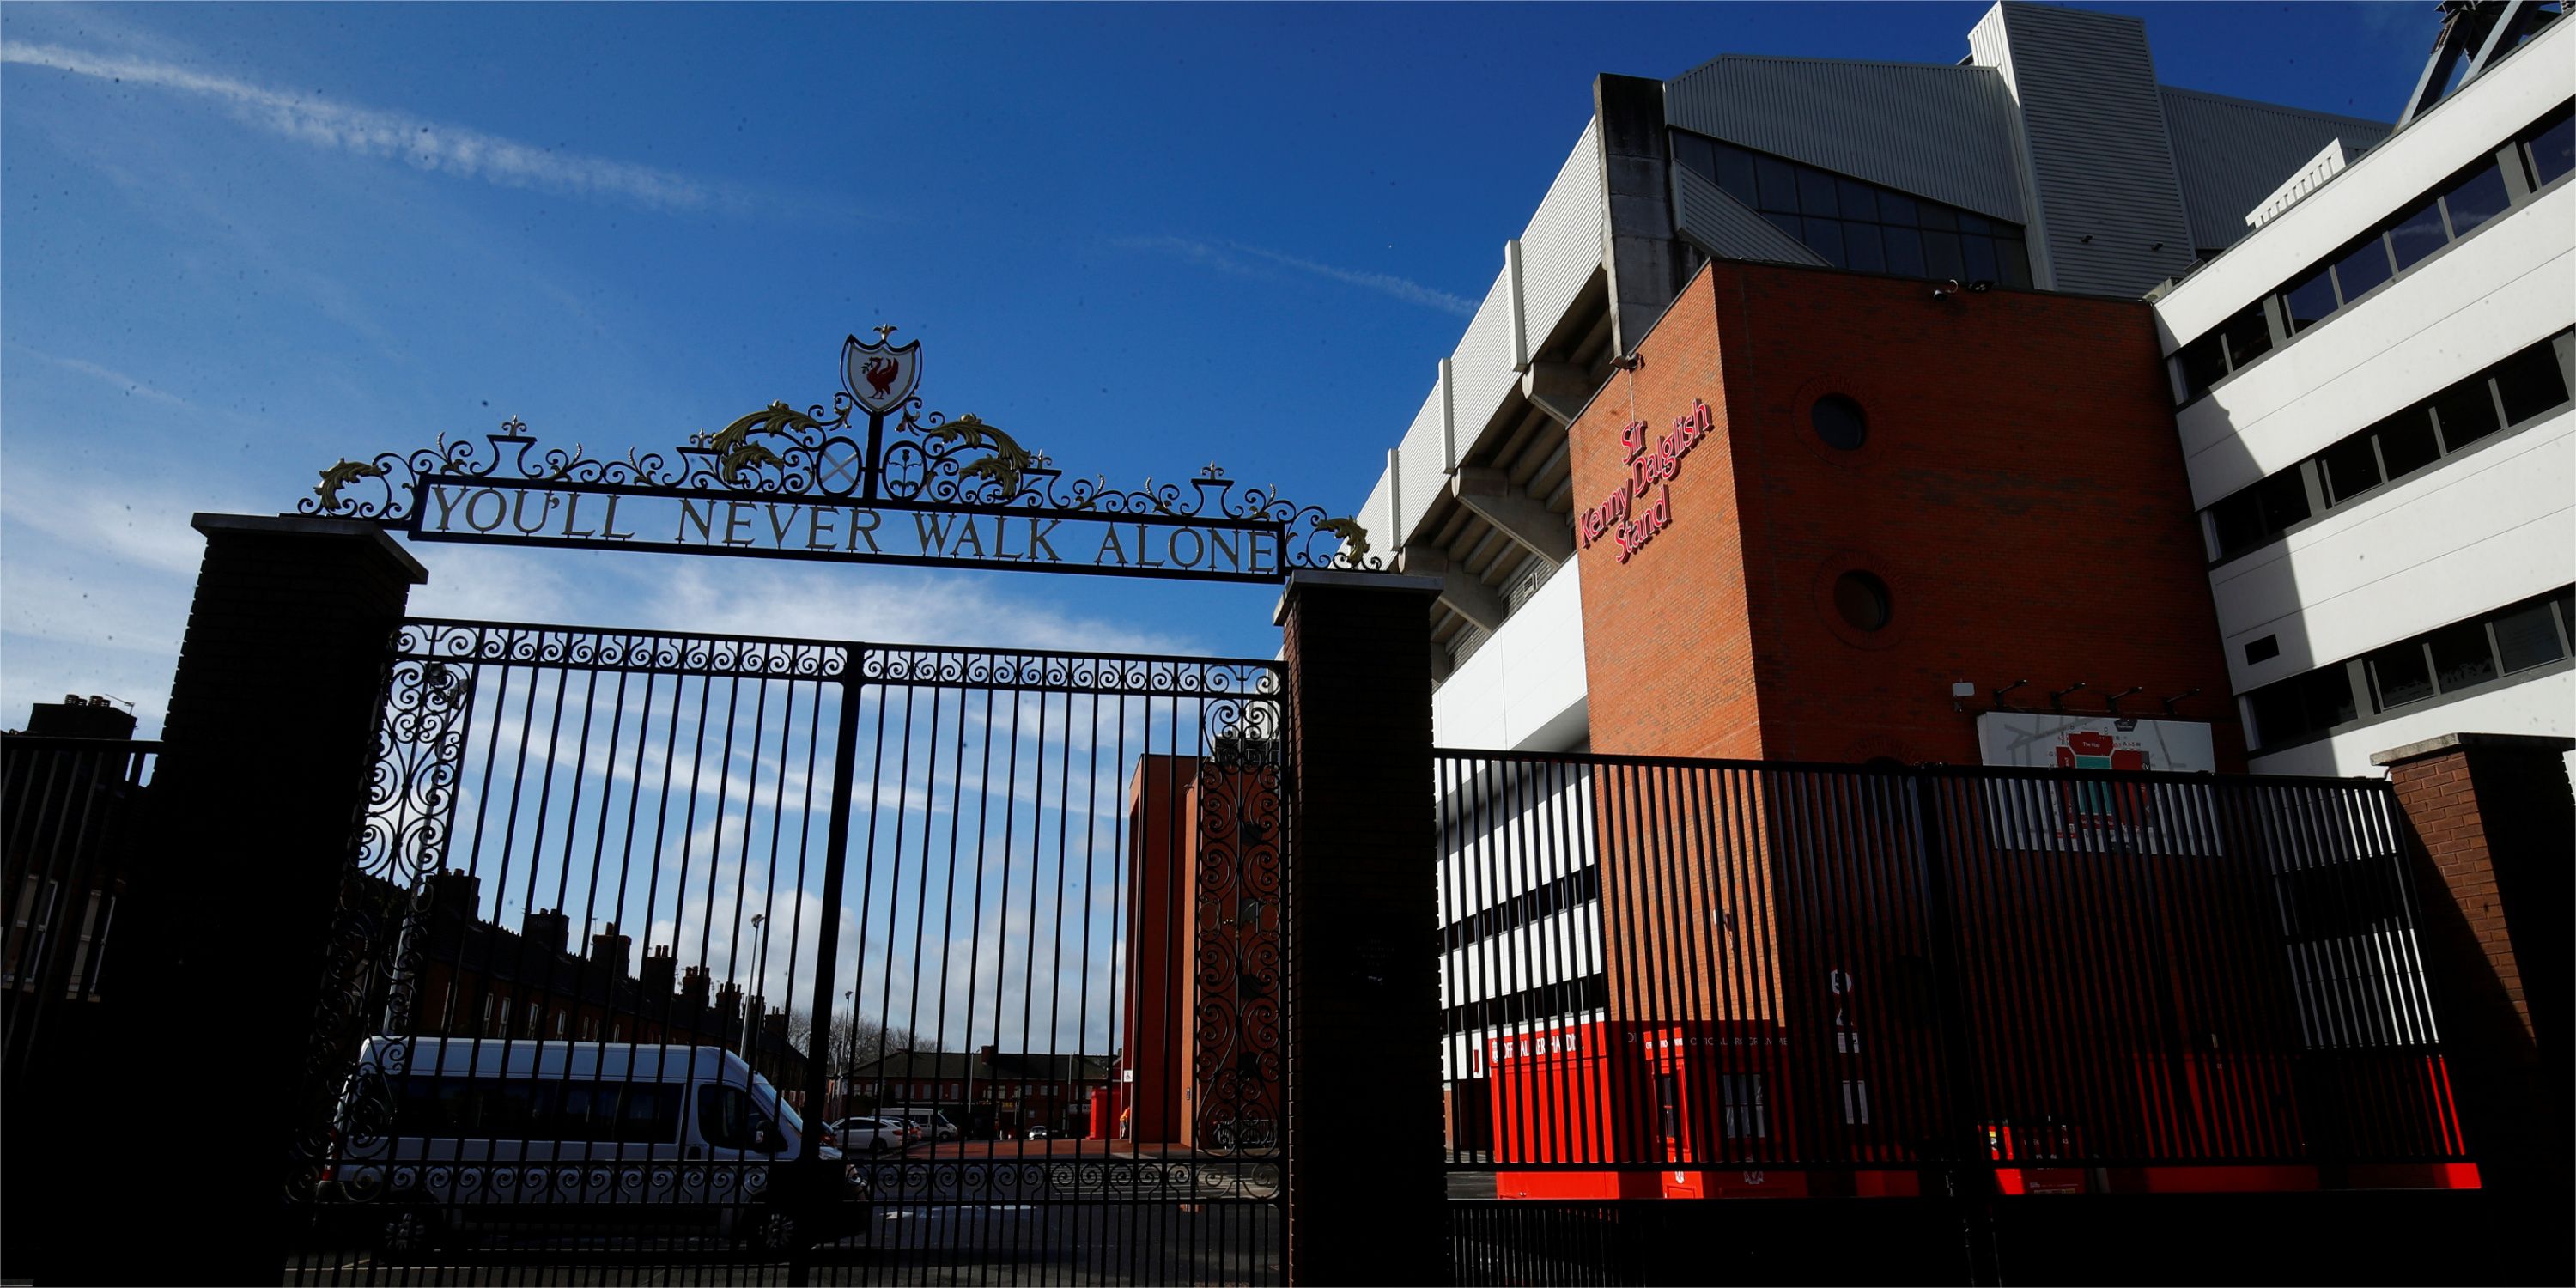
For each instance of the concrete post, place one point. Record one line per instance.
(268, 750)
(2495, 826)
(1366, 1194)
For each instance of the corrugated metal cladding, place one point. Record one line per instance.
(1482, 367)
(1561, 248)
(1722, 226)
(2096, 129)
(1938, 132)
(2233, 153)
(1422, 466)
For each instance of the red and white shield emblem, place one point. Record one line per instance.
(880, 375)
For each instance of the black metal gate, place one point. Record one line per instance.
(634, 919)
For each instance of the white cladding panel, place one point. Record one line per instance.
(2474, 120)
(2543, 706)
(1501, 845)
(1936, 131)
(1560, 947)
(2094, 126)
(1561, 248)
(1423, 465)
(2232, 154)
(1482, 366)
(2487, 529)
(1523, 681)
(2505, 286)
(1723, 227)
(1377, 518)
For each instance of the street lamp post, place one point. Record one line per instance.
(751, 1016)
(849, 1047)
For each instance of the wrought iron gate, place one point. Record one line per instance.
(633, 918)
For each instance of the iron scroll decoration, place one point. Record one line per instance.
(858, 456)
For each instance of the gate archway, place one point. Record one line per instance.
(1009, 921)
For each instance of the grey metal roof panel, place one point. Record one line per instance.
(2232, 153)
(1726, 228)
(1935, 131)
(2111, 204)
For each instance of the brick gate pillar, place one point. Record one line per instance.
(2496, 826)
(1366, 1195)
(268, 750)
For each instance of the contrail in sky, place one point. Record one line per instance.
(1221, 255)
(428, 145)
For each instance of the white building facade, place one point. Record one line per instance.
(2373, 397)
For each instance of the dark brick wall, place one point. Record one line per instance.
(2494, 826)
(269, 742)
(1365, 1189)
(2021, 492)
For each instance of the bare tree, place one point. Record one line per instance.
(854, 1043)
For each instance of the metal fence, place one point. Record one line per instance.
(1683, 979)
(636, 918)
(72, 805)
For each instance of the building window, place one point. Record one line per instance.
(2549, 148)
(1862, 599)
(2236, 342)
(1855, 1102)
(2520, 389)
(1747, 1116)
(1840, 422)
(1861, 226)
(2459, 658)
(2466, 202)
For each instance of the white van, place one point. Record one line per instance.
(934, 1125)
(456, 1134)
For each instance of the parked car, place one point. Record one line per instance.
(933, 1125)
(447, 1136)
(874, 1135)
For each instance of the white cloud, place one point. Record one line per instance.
(428, 145)
(1228, 257)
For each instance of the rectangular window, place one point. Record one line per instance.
(2417, 233)
(1862, 247)
(1695, 153)
(2527, 636)
(2462, 657)
(1855, 1102)
(1778, 186)
(2474, 198)
(1787, 223)
(2531, 383)
(2466, 413)
(1747, 1116)
(1904, 251)
(2399, 675)
(2012, 259)
(1825, 237)
(1858, 201)
(2406, 443)
(2361, 268)
(1980, 254)
(2295, 708)
(2550, 150)
(2256, 514)
(2351, 467)
(1816, 194)
(2309, 299)
(1897, 208)
(1941, 258)
(1735, 173)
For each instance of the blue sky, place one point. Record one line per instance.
(239, 243)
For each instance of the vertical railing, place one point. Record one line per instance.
(1838, 980)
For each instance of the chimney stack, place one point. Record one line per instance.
(550, 929)
(660, 969)
(453, 893)
(693, 986)
(612, 951)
